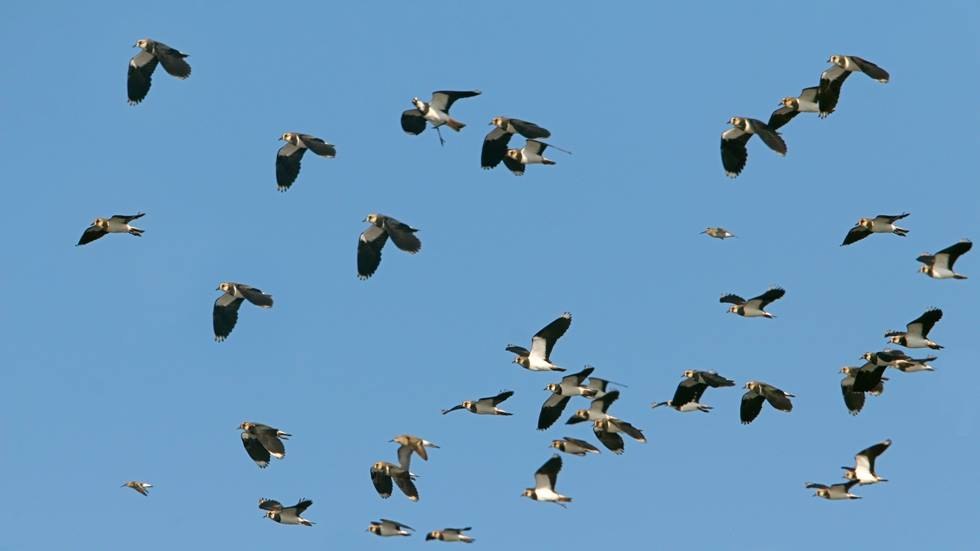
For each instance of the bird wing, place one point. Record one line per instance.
(495, 400)
(815, 486)
(256, 450)
(404, 482)
(577, 378)
(601, 405)
(513, 165)
(255, 296)
(494, 147)
(126, 218)
(810, 94)
(890, 218)
(90, 234)
(535, 147)
(751, 406)
(781, 116)
(777, 398)
(303, 505)
(396, 524)
(853, 400)
(855, 234)
(767, 297)
(443, 100)
(733, 151)
(369, 246)
(270, 505)
(288, 165)
(551, 410)
(529, 129)
(402, 235)
(382, 482)
(172, 60)
(413, 121)
(611, 440)
(454, 408)
(267, 436)
(597, 384)
(769, 136)
(318, 146)
(871, 453)
(688, 390)
(870, 69)
(581, 443)
(715, 380)
(519, 350)
(139, 77)
(544, 340)
(633, 432)
(831, 81)
(732, 299)
(947, 257)
(547, 475)
(923, 324)
(224, 316)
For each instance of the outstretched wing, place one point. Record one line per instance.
(857, 233)
(443, 100)
(413, 122)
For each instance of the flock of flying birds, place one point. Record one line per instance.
(263, 442)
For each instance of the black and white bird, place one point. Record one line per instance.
(755, 306)
(940, 265)
(834, 491)
(225, 313)
(484, 406)
(409, 444)
(436, 112)
(531, 154)
(142, 65)
(718, 233)
(117, 223)
(286, 515)
(883, 223)
(539, 357)
(734, 154)
(291, 153)
(867, 378)
(758, 393)
(373, 239)
(597, 409)
(141, 487)
(450, 535)
(545, 479)
(789, 107)
(387, 528)
(574, 446)
(863, 471)
(382, 474)
(854, 399)
(689, 391)
(561, 393)
(263, 442)
(833, 78)
(916, 334)
(496, 141)
(608, 432)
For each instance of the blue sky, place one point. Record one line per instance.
(110, 372)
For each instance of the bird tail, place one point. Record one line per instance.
(959, 276)
(902, 232)
(564, 499)
(547, 161)
(455, 124)
(136, 231)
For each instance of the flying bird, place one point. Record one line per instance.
(141, 487)
(607, 431)
(539, 357)
(718, 233)
(142, 65)
(225, 313)
(883, 223)
(688, 394)
(758, 393)
(833, 78)
(755, 306)
(940, 265)
(531, 154)
(117, 223)
(834, 491)
(574, 446)
(863, 470)
(597, 409)
(382, 474)
(916, 334)
(867, 378)
(291, 153)
(407, 445)
(495, 142)
(387, 528)
(733, 151)
(436, 112)
(484, 406)
(561, 393)
(789, 107)
(854, 399)
(373, 239)
(263, 442)
(286, 515)
(545, 479)
(450, 535)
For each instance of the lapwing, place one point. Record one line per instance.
(758, 393)
(141, 487)
(834, 491)
(607, 431)
(689, 391)
(117, 223)
(597, 409)
(755, 306)
(718, 233)
(886, 357)
(291, 153)
(142, 65)
(539, 357)
(484, 406)
(883, 223)
(545, 479)
(561, 393)
(531, 154)
(495, 143)
(450, 535)
(286, 515)
(854, 399)
(789, 107)
(387, 528)
(436, 112)
(263, 442)
(914, 365)
(574, 446)
(407, 445)
(833, 78)
(382, 473)
(225, 313)
(940, 265)
(373, 239)
(733, 151)
(916, 334)
(863, 471)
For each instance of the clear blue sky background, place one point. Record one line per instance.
(110, 373)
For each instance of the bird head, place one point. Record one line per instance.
(101, 223)
(499, 122)
(790, 103)
(529, 492)
(374, 529)
(371, 218)
(554, 388)
(897, 339)
(733, 309)
(689, 373)
(142, 43)
(419, 104)
(924, 269)
(836, 60)
(469, 405)
(514, 154)
(246, 426)
(736, 121)
(555, 444)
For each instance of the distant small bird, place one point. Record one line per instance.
(574, 446)
(758, 393)
(495, 142)
(142, 65)
(863, 470)
(141, 487)
(387, 528)
(597, 409)
(291, 153)
(789, 107)
(531, 154)
(607, 431)
(554, 405)
(539, 357)
(436, 112)
(834, 491)
(916, 334)
(755, 306)
(484, 406)
(690, 390)
(450, 535)
(940, 265)
(883, 223)
(833, 78)
(382, 473)
(545, 479)
(117, 223)
(408, 444)
(718, 233)
(263, 442)
(733, 151)
(373, 239)
(225, 313)
(286, 515)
